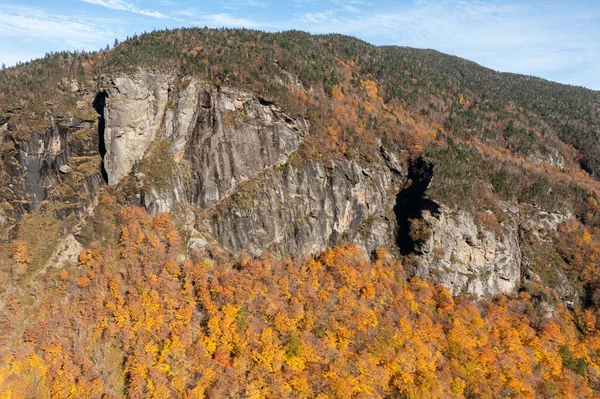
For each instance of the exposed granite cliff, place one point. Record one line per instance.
(470, 258)
(220, 156)
(304, 210)
(59, 163)
(218, 139)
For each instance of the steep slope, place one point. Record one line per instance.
(291, 143)
(143, 318)
(175, 216)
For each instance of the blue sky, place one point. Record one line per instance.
(554, 39)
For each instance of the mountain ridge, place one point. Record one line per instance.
(378, 101)
(180, 155)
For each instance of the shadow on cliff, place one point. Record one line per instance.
(411, 202)
(98, 104)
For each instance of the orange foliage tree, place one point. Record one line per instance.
(143, 321)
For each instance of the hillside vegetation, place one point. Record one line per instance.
(135, 319)
(139, 314)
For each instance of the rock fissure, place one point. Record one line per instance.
(99, 105)
(411, 201)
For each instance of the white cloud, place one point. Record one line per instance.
(350, 8)
(123, 5)
(238, 4)
(227, 20)
(30, 33)
(48, 27)
(190, 12)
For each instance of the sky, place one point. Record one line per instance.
(557, 40)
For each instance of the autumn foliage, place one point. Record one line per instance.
(20, 254)
(140, 317)
(142, 321)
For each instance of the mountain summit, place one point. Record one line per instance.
(236, 213)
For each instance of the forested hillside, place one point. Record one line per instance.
(137, 319)
(234, 213)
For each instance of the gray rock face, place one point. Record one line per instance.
(32, 167)
(221, 138)
(67, 252)
(302, 211)
(134, 111)
(542, 264)
(469, 259)
(540, 223)
(224, 165)
(235, 138)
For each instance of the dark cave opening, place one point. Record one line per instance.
(585, 165)
(98, 104)
(411, 202)
(265, 102)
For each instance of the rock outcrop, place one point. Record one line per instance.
(304, 210)
(34, 167)
(542, 263)
(217, 139)
(134, 111)
(467, 258)
(227, 134)
(221, 157)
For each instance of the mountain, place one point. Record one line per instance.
(216, 213)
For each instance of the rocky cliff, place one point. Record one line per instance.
(225, 161)
(56, 165)
(220, 157)
(303, 210)
(191, 145)
(469, 257)
(466, 257)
